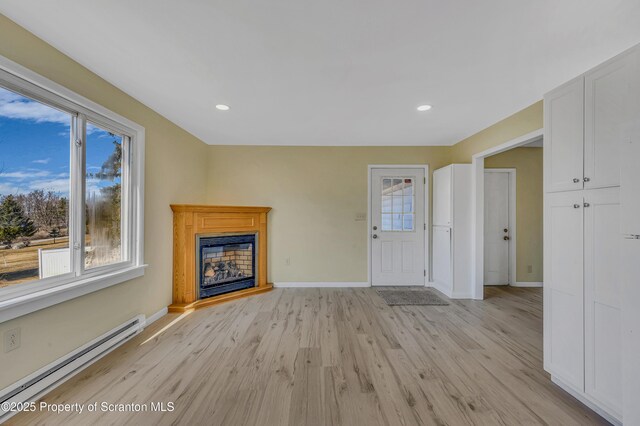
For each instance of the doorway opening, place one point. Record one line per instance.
(524, 254)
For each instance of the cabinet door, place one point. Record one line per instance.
(564, 290)
(631, 330)
(442, 181)
(608, 112)
(442, 258)
(630, 158)
(602, 282)
(564, 137)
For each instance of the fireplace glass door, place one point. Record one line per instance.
(227, 263)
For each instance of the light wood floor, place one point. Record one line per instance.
(332, 356)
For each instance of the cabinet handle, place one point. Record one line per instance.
(586, 179)
(587, 204)
(576, 180)
(576, 206)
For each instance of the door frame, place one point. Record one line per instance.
(477, 206)
(427, 252)
(512, 172)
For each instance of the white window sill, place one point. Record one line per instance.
(26, 304)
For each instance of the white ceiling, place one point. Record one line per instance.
(334, 72)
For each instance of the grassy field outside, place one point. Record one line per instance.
(21, 265)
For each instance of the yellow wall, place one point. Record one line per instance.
(520, 123)
(528, 165)
(315, 193)
(176, 165)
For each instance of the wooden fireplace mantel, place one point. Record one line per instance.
(190, 221)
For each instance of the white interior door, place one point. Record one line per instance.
(397, 227)
(496, 228)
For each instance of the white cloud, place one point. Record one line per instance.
(25, 174)
(18, 107)
(55, 185)
(43, 161)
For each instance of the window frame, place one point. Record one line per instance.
(22, 299)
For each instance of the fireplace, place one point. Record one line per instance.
(226, 263)
(219, 254)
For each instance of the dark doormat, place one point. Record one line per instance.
(422, 296)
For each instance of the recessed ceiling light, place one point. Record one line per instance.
(424, 107)
(222, 107)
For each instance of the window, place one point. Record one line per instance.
(397, 204)
(70, 189)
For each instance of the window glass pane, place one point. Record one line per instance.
(386, 204)
(386, 222)
(408, 222)
(408, 204)
(397, 204)
(34, 190)
(397, 222)
(386, 185)
(103, 182)
(408, 186)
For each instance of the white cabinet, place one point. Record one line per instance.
(630, 253)
(585, 122)
(564, 289)
(608, 113)
(452, 230)
(592, 198)
(602, 286)
(564, 136)
(442, 209)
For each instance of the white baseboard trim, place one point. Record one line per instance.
(155, 317)
(42, 381)
(527, 284)
(315, 284)
(586, 401)
(441, 288)
(460, 295)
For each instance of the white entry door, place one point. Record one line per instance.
(397, 227)
(497, 228)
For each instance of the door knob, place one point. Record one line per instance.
(506, 238)
(374, 236)
(506, 230)
(375, 228)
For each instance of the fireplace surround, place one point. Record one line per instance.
(219, 254)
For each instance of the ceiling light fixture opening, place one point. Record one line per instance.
(222, 107)
(424, 108)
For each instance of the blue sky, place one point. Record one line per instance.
(35, 147)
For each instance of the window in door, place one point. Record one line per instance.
(398, 198)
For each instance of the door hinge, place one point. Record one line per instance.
(425, 272)
(425, 180)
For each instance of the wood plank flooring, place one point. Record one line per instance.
(331, 356)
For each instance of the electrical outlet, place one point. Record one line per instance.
(287, 261)
(11, 339)
(529, 268)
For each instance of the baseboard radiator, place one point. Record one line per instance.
(42, 381)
